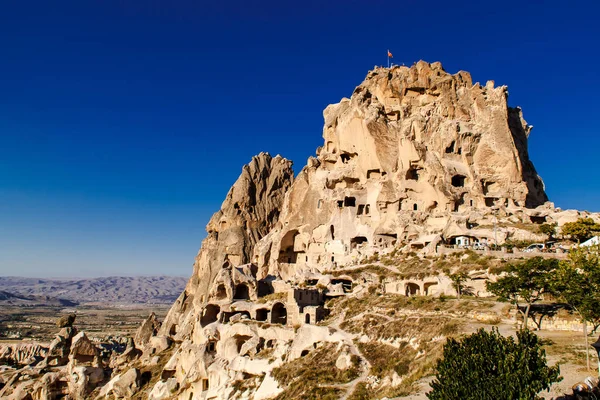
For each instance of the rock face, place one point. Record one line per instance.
(414, 152)
(249, 212)
(412, 158)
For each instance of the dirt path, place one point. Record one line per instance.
(365, 365)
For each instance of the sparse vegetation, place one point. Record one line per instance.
(305, 378)
(272, 297)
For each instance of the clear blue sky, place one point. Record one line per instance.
(124, 123)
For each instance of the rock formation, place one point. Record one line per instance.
(415, 159)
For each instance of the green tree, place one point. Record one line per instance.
(577, 283)
(525, 282)
(548, 229)
(458, 281)
(581, 230)
(487, 365)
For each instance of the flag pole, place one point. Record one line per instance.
(388, 56)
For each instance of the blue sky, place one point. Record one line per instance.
(124, 123)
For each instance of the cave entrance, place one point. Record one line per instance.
(241, 292)
(210, 314)
(279, 314)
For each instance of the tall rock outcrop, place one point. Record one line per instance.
(414, 152)
(249, 212)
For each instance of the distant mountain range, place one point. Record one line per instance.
(112, 289)
(8, 298)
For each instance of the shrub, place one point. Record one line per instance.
(487, 365)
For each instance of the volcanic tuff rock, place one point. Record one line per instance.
(414, 152)
(249, 212)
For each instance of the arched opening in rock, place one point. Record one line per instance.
(264, 288)
(429, 288)
(330, 147)
(240, 340)
(241, 292)
(361, 209)
(450, 148)
(262, 314)
(173, 330)
(345, 157)
(221, 292)
(145, 378)
(367, 209)
(412, 174)
(286, 252)
(304, 353)
(307, 319)
(279, 314)
(458, 180)
(332, 231)
(412, 289)
(167, 373)
(537, 219)
(356, 241)
(209, 315)
(415, 207)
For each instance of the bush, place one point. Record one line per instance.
(487, 365)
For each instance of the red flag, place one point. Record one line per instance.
(390, 54)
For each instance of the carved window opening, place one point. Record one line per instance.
(350, 201)
(412, 174)
(373, 173)
(221, 292)
(279, 314)
(412, 289)
(458, 180)
(209, 315)
(355, 242)
(211, 346)
(241, 292)
(262, 314)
